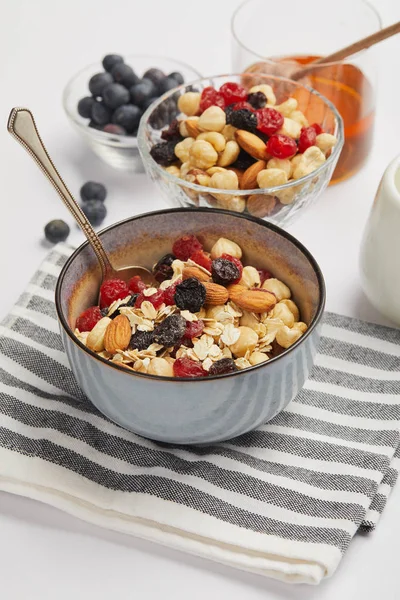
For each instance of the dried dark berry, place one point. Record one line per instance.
(224, 271)
(172, 133)
(163, 270)
(257, 99)
(163, 153)
(225, 365)
(243, 119)
(141, 340)
(104, 311)
(170, 331)
(243, 161)
(190, 295)
(228, 112)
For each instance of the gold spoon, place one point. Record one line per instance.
(22, 127)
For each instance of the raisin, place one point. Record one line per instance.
(225, 365)
(164, 153)
(190, 295)
(186, 367)
(236, 262)
(243, 119)
(243, 161)
(257, 99)
(141, 340)
(224, 271)
(185, 246)
(172, 133)
(163, 270)
(170, 331)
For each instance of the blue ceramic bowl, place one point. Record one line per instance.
(192, 411)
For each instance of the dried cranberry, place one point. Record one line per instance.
(155, 299)
(169, 293)
(88, 319)
(185, 367)
(210, 97)
(190, 295)
(232, 92)
(318, 128)
(141, 340)
(163, 270)
(170, 331)
(136, 284)
(111, 290)
(225, 365)
(224, 271)
(269, 120)
(236, 262)
(244, 104)
(264, 275)
(193, 329)
(186, 246)
(281, 146)
(201, 259)
(307, 138)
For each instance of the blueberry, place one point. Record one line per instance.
(115, 95)
(95, 211)
(166, 84)
(56, 231)
(85, 107)
(98, 82)
(155, 75)
(91, 190)
(110, 60)
(128, 117)
(94, 125)
(142, 91)
(177, 76)
(124, 74)
(115, 129)
(100, 113)
(147, 102)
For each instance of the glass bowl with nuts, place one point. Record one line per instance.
(248, 143)
(221, 343)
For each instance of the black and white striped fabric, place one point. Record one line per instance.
(283, 501)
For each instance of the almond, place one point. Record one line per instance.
(195, 272)
(249, 179)
(192, 127)
(215, 294)
(261, 205)
(118, 334)
(255, 301)
(252, 144)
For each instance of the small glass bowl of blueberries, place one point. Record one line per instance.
(105, 102)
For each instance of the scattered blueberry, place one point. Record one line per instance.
(155, 75)
(166, 84)
(177, 76)
(142, 91)
(124, 74)
(91, 190)
(128, 117)
(115, 95)
(98, 82)
(115, 129)
(111, 60)
(95, 211)
(85, 107)
(147, 102)
(56, 231)
(101, 115)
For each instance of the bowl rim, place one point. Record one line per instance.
(112, 139)
(147, 158)
(317, 317)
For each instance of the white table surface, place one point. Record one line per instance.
(44, 553)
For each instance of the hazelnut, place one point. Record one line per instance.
(277, 287)
(257, 357)
(202, 154)
(160, 366)
(225, 246)
(248, 340)
(212, 119)
(250, 277)
(189, 103)
(182, 149)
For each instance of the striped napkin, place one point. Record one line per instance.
(283, 501)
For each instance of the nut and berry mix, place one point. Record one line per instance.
(209, 315)
(234, 139)
(119, 96)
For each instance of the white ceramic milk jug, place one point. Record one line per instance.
(380, 248)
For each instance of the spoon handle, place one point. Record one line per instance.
(22, 127)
